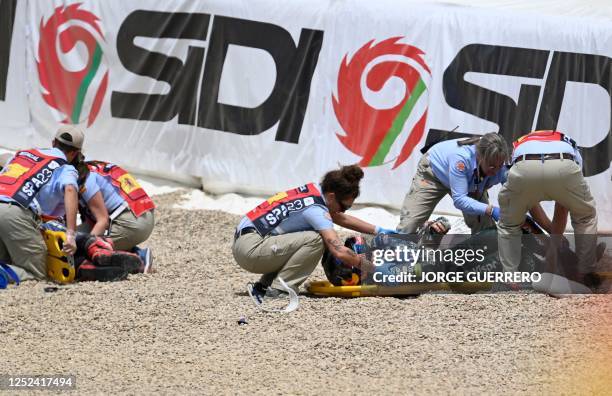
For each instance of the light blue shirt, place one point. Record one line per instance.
(313, 218)
(536, 147)
(110, 194)
(50, 198)
(456, 168)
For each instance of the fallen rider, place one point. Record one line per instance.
(339, 274)
(95, 259)
(393, 273)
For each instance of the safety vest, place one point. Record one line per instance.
(272, 212)
(544, 136)
(129, 189)
(26, 174)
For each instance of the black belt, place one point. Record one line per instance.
(544, 157)
(244, 231)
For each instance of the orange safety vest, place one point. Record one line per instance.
(272, 212)
(129, 189)
(544, 136)
(26, 174)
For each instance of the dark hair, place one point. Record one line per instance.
(82, 169)
(344, 182)
(64, 147)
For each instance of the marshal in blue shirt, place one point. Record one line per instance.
(456, 167)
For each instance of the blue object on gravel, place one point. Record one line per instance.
(7, 275)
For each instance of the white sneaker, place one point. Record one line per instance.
(257, 291)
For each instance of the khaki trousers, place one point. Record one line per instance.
(425, 193)
(291, 257)
(127, 230)
(21, 243)
(532, 181)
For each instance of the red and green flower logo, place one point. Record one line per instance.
(70, 64)
(382, 135)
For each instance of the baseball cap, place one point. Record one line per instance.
(71, 136)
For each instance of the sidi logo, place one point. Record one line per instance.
(74, 78)
(538, 105)
(371, 131)
(7, 19)
(285, 105)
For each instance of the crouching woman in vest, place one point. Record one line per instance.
(37, 183)
(284, 237)
(113, 204)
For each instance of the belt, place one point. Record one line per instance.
(244, 231)
(544, 157)
(117, 211)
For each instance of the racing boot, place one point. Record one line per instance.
(100, 252)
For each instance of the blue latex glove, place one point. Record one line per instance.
(496, 213)
(380, 230)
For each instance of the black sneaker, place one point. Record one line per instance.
(257, 291)
(272, 294)
(281, 301)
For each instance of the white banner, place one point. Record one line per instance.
(15, 125)
(258, 96)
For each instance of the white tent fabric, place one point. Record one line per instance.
(577, 8)
(433, 34)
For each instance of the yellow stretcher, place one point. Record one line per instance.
(325, 288)
(60, 267)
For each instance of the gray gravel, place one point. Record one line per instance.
(176, 331)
